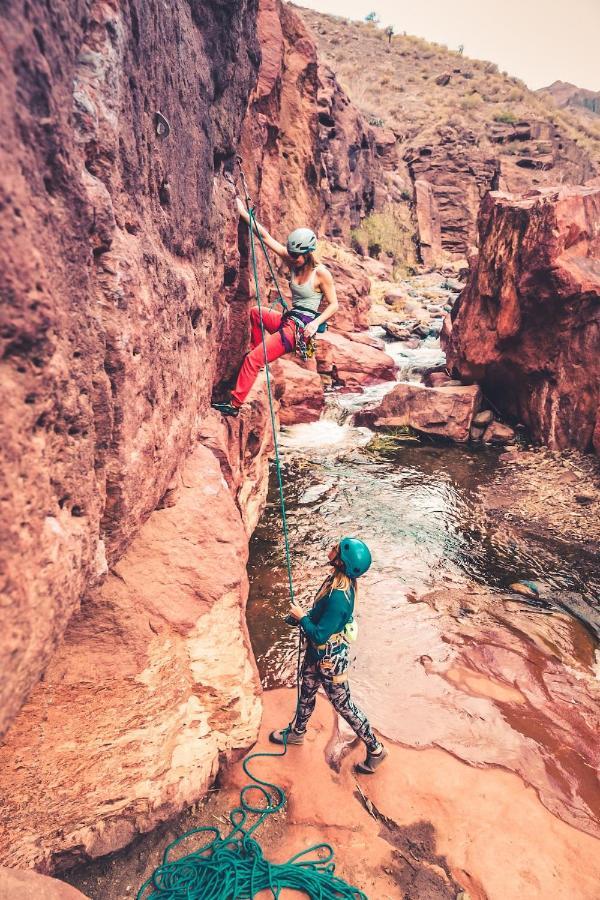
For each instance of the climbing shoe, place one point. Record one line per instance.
(226, 409)
(372, 762)
(276, 737)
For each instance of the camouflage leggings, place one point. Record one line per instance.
(339, 696)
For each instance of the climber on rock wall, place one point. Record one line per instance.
(330, 628)
(310, 282)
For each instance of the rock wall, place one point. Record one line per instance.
(153, 682)
(126, 504)
(453, 173)
(311, 158)
(527, 326)
(123, 556)
(118, 262)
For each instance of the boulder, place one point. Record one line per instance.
(368, 339)
(476, 433)
(528, 322)
(395, 298)
(396, 331)
(445, 412)
(497, 433)
(300, 389)
(19, 884)
(436, 379)
(352, 363)
(484, 417)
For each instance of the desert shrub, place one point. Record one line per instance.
(391, 232)
(506, 117)
(471, 101)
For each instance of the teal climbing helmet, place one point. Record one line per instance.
(355, 556)
(302, 241)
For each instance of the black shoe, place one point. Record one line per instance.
(226, 409)
(291, 737)
(372, 762)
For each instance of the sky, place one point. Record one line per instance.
(539, 41)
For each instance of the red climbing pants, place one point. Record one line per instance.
(255, 359)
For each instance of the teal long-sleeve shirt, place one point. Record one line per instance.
(328, 616)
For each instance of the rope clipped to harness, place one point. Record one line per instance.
(233, 867)
(305, 347)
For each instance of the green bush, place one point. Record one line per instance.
(507, 118)
(391, 232)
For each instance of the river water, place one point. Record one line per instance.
(417, 505)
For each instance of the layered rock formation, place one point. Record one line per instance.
(311, 158)
(450, 128)
(528, 323)
(453, 173)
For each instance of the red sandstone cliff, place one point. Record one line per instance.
(527, 326)
(126, 504)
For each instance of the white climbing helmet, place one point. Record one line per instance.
(301, 241)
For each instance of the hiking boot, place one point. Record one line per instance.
(372, 762)
(226, 409)
(276, 737)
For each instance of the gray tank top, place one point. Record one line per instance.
(305, 295)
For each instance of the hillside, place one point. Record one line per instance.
(461, 126)
(579, 101)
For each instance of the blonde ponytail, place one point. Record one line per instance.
(338, 581)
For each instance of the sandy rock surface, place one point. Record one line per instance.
(153, 682)
(17, 884)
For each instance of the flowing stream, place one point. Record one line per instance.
(417, 506)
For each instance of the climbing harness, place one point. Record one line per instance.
(306, 347)
(233, 867)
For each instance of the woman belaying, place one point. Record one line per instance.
(329, 627)
(309, 283)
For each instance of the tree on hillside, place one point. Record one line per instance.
(372, 17)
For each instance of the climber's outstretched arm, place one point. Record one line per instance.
(327, 286)
(273, 245)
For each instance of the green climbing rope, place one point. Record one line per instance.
(234, 867)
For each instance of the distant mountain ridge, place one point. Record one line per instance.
(564, 94)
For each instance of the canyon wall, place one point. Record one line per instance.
(119, 261)
(127, 505)
(460, 167)
(527, 326)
